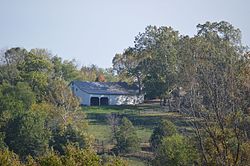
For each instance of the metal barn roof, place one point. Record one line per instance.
(107, 88)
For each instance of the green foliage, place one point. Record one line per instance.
(10, 60)
(50, 159)
(76, 156)
(114, 161)
(60, 95)
(126, 137)
(175, 150)
(69, 70)
(9, 158)
(164, 129)
(13, 99)
(246, 126)
(73, 156)
(19, 97)
(245, 157)
(218, 95)
(26, 134)
(152, 62)
(69, 135)
(35, 70)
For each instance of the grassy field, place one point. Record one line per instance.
(144, 118)
(102, 132)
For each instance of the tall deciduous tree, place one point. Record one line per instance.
(152, 62)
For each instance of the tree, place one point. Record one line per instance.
(175, 150)
(51, 158)
(161, 64)
(26, 134)
(126, 138)
(164, 129)
(100, 78)
(69, 70)
(217, 99)
(151, 62)
(73, 156)
(113, 121)
(128, 65)
(36, 70)
(9, 61)
(66, 105)
(76, 156)
(68, 136)
(13, 100)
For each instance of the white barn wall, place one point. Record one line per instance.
(82, 96)
(125, 99)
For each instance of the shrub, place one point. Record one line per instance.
(175, 150)
(69, 135)
(164, 128)
(76, 156)
(50, 159)
(9, 158)
(114, 161)
(126, 137)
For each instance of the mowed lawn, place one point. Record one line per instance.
(102, 132)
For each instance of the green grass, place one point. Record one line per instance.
(140, 109)
(135, 162)
(109, 109)
(102, 132)
(143, 133)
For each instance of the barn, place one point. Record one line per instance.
(106, 93)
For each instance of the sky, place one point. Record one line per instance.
(93, 31)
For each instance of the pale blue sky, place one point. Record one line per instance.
(93, 31)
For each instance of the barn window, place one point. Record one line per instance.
(104, 101)
(94, 101)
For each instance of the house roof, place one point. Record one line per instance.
(107, 88)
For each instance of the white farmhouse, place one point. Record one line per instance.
(106, 93)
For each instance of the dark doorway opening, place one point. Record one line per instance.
(104, 101)
(94, 101)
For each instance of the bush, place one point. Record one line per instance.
(175, 150)
(76, 156)
(126, 137)
(113, 161)
(69, 135)
(164, 128)
(8, 158)
(50, 159)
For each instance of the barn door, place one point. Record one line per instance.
(94, 101)
(104, 101)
